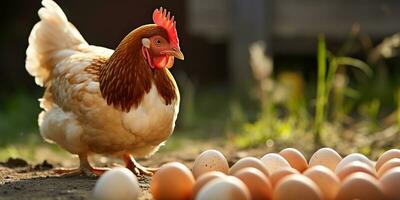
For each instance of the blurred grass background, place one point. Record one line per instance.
(345, 95)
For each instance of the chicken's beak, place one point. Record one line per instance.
(177, 53)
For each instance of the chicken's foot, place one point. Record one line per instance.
(136, 168)
(84, 169)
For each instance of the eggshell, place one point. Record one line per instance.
(295, 158)
(227, 188)
(274, 162)
(326, 180)
(256, 181)
(353, 167)
(390, 154)
(326, 157)
(295, 187)
(281, 173)
(395, 162)
(118, 184)
(390, 183)
(210, 160)
(172, 181)
(248, 162)
(204, 179)
(354, 157)
(360, 186)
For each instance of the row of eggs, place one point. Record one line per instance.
(285, 175)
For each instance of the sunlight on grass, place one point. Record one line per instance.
(341, 119)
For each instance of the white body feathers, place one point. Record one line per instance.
(75, 115)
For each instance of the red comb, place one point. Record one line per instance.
(161, 18)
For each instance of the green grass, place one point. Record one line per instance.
(340, 106)
(281, 109)
(18, 117)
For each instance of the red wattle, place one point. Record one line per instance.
(161, 61)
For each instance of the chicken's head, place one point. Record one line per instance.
(140, 60)
(160, 48)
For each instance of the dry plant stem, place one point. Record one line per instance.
(321, 87)
(136, 168)
(398, 107)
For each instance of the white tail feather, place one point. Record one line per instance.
(50, 35)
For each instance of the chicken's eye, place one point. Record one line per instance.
(158, 42)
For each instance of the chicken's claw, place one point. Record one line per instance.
(81, 171)
(136, 168)
(85, 169)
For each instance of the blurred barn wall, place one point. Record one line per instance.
(214, 34)
(289, 27)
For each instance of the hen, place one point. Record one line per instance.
(121, 102)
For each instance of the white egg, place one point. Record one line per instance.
(351, 158)
(273, 162)
(204, 179)
(388, 155)
(248, 162)
(210, 160)
(117, 184)
(353, 167)
(395, 162)
(226, 188)
(326, 157)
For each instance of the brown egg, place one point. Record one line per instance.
(351, 158)
(326, 180)
(390, 183)
(395, 162)
(210, 160)
(353, 167)
(392, 153)
(204, 179)
(226, 188)
(295, 158)
(274, 162)
(326, 157)
(256, 181)
(172, 181)
(248, 162)
(360, 186)
(295, 187)
(281, 173)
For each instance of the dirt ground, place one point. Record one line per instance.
(22, 180)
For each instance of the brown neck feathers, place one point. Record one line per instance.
(126, 77)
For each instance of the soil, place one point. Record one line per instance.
(21, 180)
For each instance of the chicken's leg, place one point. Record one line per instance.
(136, 168)
(84, 169)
